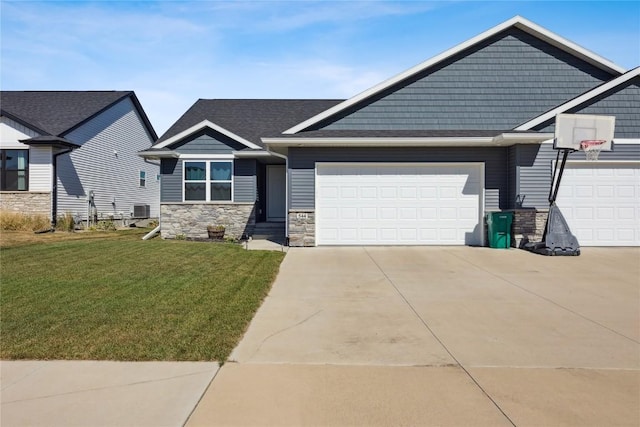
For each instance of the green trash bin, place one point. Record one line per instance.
(499, 229)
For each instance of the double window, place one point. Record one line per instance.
(209, 181)
(14, 170)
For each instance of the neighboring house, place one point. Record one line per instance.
(76, 152)
(418, 159)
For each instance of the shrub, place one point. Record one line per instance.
(18, 221)
(106, 226)
(66, 222)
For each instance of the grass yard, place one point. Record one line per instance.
(112, 296)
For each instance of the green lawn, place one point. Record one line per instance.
(116, 297)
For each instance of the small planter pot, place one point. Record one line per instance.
(216, 234)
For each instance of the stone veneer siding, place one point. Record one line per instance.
(528, 225)
(190, 220)
(302, 228)
(34, 203)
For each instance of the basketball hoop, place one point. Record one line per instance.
(592, 148)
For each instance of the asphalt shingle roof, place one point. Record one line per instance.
(250, 119)
(56, 112)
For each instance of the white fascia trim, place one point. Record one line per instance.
(207, 156)
(504, 139)
(369, 142)
(207, 124)
(517, 21)
(168, 154)
(252, 153)
(580, 99)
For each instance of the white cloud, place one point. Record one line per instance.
(174, 52)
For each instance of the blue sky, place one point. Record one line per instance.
(173, 52)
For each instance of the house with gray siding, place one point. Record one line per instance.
(76, 152)
(418, 159)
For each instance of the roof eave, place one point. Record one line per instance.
(159, 154)
(501, 140)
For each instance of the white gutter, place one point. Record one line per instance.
(502, 140)
(251, 153)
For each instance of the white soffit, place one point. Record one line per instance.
(517, 21)
(202, 125)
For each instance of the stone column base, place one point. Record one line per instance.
(528, 225)
(302, 228)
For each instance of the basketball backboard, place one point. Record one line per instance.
(573, 129)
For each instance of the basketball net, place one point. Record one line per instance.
(592, 148)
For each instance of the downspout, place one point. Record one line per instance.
(54, 188)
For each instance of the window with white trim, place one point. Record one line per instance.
(143, 179)
(208, 181)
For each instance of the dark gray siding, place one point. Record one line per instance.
(207, 142)
(170, 180)
(535, 163)
(622, 102)
(244, 180)
(498, 84)
(512, 168)
(245, 187)
(302, 168)
(625, 105)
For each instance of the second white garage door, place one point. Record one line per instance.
(399, 204)
(601, 202)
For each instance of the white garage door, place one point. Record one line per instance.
(399, 204)
(601, 202)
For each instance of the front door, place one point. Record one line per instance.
(276, 192)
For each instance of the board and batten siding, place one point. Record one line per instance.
(498, 84)
(107, 163)
(302, 168)
(40, 158)
(535, 169)
(245, 187)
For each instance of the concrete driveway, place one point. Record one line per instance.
(438, 336)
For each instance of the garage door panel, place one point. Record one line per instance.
(399, 204)
(611, 215)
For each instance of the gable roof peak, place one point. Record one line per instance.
(517, 22)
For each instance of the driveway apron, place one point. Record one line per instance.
(438, 336)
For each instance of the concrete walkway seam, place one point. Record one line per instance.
(438, 339)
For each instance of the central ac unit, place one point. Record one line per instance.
(141, 211)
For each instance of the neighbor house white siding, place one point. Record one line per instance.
(11, 132)
(107, 164)
(40, 169)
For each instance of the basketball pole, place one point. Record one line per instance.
(555, 183)
(557, 238)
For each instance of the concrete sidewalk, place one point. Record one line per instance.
(438, 336)
(91, 393)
